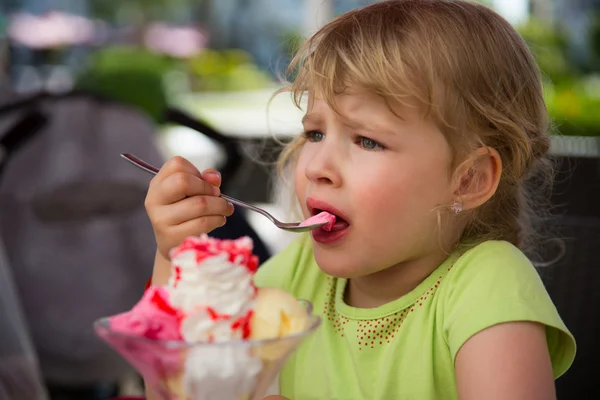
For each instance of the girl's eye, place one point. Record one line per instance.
(314, 136)
(369, 144)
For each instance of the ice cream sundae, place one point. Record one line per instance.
(210, 333)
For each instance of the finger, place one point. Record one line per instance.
(198, 226)
(275, 398)
(180, 185)
(174, 165)
(194, 207)
(212, 176)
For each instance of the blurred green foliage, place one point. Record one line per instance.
(130, 75)
(572, 93)
(135, 76)
(549, 46)
(575, 106)
(136, 11)
(292, 41)
(227, 70)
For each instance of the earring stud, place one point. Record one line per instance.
(456, 207)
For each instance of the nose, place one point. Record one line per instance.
(323, 167)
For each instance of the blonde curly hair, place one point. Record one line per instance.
(468, 69)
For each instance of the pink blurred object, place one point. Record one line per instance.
(153, 320)
(321, 218)
(152, 317)
(51, 30)
(175, 41)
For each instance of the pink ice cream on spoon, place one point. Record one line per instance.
(323, 217)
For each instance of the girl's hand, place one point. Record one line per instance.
(182, 202)
(275, 398)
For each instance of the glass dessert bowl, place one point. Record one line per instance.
(240, 369)
(209, 332)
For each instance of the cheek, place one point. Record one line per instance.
(300, 180)
(405, 195)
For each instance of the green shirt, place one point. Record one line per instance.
(405, 349)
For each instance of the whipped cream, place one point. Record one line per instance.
(212, 284)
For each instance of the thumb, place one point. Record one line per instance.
(275, 398)
(212, 176)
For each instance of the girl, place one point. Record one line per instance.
(425, 120)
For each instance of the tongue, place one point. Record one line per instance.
(338, 225)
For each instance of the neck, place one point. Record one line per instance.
(382, 287)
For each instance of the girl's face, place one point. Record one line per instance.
(385, 178)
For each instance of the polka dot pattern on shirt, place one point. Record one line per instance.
(375, 332)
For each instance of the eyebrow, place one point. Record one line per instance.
(312, 117)
(308, 117)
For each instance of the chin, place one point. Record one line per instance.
(339, 266)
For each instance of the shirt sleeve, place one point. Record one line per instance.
(495, 283)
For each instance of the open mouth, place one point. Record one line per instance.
(337, 221)
(338, 224)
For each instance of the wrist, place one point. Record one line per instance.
(162, 269)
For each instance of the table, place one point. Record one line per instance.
(246, 115)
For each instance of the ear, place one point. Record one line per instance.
(476, 179)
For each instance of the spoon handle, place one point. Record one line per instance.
(138, 162)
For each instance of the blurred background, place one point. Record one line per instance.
(84, 80)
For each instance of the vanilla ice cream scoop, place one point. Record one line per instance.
(277, 314)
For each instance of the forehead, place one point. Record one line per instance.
(361, 104)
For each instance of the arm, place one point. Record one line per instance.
(162, 269)
(506, 361)
(181, 202)
(160, 276)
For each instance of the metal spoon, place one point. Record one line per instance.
(286, 226)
